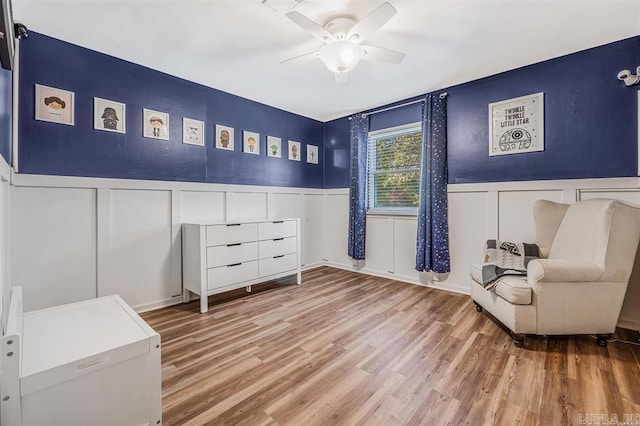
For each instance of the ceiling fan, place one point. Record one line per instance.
(342, 38)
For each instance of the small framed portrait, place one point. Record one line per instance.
(109, 116)
(224, 137)
(274, 147)
(294, 150)
(312, 154)
(54, 105)
(192, 131)
(251, 142)
(155, 124)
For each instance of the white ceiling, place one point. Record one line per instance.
(237, 45)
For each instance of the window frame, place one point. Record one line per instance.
(380, 134)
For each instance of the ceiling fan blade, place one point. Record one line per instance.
(341, 77)
(371, 23)
(307, 57)
(380, 54)
(310, 26)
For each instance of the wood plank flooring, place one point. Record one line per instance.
(346, 348)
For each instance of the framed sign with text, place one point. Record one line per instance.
(517, 125)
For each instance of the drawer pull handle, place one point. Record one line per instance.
(92, 363)
(233, 224)
(278, 221)
(233, 245)
(234, 264)
(275, 257)
(278, 239)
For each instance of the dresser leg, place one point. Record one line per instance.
(186, 296)
(299, 277)
(204, 303)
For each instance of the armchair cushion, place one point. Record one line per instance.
(513, 289)
(561, 270)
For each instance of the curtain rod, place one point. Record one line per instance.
(442, 96)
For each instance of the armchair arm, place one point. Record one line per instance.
(555, 270)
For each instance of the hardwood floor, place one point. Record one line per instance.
(346, 348)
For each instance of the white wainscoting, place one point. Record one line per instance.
(477, 212)
(82, 237)
(78, 238)
(54, 245)
(5, 236)
(141, 244)
(313, 230)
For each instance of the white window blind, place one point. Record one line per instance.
(393, 168)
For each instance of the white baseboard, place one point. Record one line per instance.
(313, 265)
(402, 278)
(629, 324)
(175, 300)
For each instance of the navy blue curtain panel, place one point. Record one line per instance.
(358, 186)
(432, 245)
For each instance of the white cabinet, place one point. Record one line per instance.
(94, 362)
(222, 256)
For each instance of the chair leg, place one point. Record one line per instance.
(478, 307)
(603, 339)
(518, 339)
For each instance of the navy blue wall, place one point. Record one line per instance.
(591, 125)
(55, 149)
(591, 119)
(6, 95)
(397, 116)
(337, 153)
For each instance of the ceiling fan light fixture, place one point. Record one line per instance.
(342, 37)
(341, 56)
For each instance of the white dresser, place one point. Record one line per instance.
(222, 256)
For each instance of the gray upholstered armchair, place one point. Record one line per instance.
(578, 285)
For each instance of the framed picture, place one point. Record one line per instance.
(224, 137)
(54, 105)
(155, 124)
(294, 150)
(192, 131)
(274, 147)
(109, 116)
(312, 154)
(251, 142)
(517, 125)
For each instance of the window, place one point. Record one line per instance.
(393, 168)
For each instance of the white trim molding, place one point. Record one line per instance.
(139, 256)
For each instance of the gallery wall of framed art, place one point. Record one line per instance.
(122, 120)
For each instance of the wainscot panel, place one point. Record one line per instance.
(72, 244)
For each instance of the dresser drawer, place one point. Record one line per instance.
(232, 233)
(231, 274)
(276, 265)
(231, 253)
(276, 247)
(277, 229)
